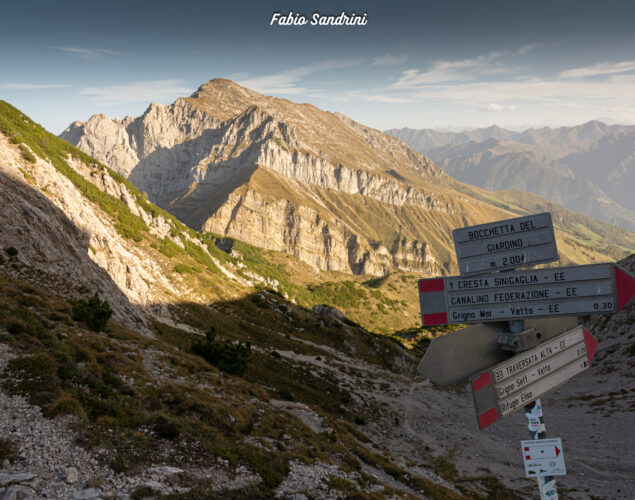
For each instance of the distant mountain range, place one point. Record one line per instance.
(317, 185)
(589, 168)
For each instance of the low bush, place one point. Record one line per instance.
(169, 248)
(228, 357)
(26, 154)
(94, 312)
(64, 405)
(8, 450)
(286, 394)
(182, 269)
(165, 428)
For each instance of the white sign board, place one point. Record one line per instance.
(505, 244)
(456, 356)
(557, 291)
(509, 386)
(543, 457)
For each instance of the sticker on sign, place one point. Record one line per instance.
(505, 244)
(543, 457)
(509, 386)
(566, 291)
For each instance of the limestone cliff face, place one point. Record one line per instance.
(288, 177)
(279, 225)
(66, 238)
(121, 144)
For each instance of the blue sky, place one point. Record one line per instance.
(426, 64)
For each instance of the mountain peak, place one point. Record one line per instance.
(217, 85)
(224, 98)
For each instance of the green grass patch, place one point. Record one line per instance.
(26, 154)
(47, 146)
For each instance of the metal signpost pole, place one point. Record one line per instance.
(536, 424)
(537, 430)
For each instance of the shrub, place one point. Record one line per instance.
(182, 269)
(11, 251)
(142, 492)
(228, 357)
(26, 154)
(64, 405)
(330, 435)
(7, 450)
(286, 394)
(165, 428)
(94, 312)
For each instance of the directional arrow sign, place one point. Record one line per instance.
(543, 457)
(505, 244)
(567, 291)
(511, 385)
(456, 356)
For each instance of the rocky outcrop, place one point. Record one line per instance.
(197, 156)
(121, 144)
(279, 225)
(74, 245)
(308, 169)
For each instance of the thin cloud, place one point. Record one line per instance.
(286, 82)
(619, 114)
(489, 83)
(31, 86)
(155, 91)
(495, 107)
(87, 53)
(388, 60)
(449, 71)
(526, 49)
(551, 89)
(385, 98)
(601, 69)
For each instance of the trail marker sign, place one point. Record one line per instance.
(509, 386)
(505, 244)
(483, 294)
(543, 457)
(557, 291)
(456, 356)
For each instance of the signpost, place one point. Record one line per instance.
(509, 386)
(543, 457)
(505, 244)
(511, 308)
(566, 291)
(454, 357)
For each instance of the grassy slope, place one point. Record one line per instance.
(135, 418)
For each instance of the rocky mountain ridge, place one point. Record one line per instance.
(587, 168)
(290, 177)
(567, 139)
